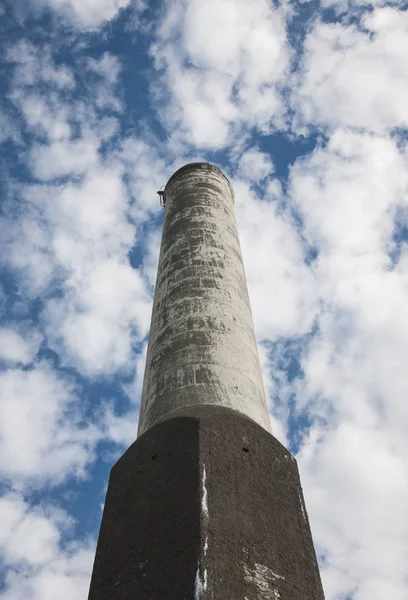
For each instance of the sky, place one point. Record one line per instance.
(304, 105)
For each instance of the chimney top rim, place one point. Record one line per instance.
(200, 165)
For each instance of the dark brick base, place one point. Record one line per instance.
(205, 505)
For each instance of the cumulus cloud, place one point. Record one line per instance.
(255, 165)
(16, 347)
(110, 313)
(77, 237)
(107, 67)
(89, 13)
(63, 157)
(86, 15)
(75, 233)
(63, 106)
(281, 287)
(34, 64)
(351, 8)
(214, 90)
(31, 547)
(354, 383)
(356, 75)
(25, 536)
(42, 434)
(345, 208)
(146, 171)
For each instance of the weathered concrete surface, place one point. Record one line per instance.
(202, 348)
(205, 506)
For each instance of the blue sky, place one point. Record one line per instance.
(305, 107)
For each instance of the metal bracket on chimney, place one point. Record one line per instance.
(162, 198)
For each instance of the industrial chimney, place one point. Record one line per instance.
(206, 503)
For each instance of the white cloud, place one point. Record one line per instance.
(30, 545)
(9, 130)
(354, 386)
(16, 347)
(2, 300)
(64, 228)
(58, 103)
(146, 171)
(281, 287)
(350, 8)
(87, 219)
(25, 536)
(99, 322)
(75, 237)
(151, 256)
(121, 429)
(34, 64)
(349, 191)
(356, 77)
(41, 434)
(44, 116)
(66, 578)
(104, 73)
(255, 165)
(107, 67)
(278, 420)
(87, 14)
(63, 157)
(357, 491)
(217, 89)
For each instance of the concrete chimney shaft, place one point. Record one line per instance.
(202, 348)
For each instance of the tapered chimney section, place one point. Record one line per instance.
(202, 348)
